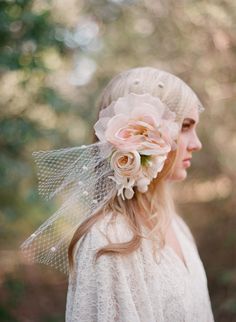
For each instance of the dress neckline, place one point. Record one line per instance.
(178, 234)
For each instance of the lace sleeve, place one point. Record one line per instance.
(113, 288)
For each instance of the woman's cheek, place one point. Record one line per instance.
(182, 145)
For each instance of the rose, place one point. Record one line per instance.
(138, 122)
(126, 163)
(126, 166)
(131, 169)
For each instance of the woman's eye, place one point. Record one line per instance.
(185, 126)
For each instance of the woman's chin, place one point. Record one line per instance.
(179, 175)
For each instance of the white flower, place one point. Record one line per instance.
(142, 184)
(154, 165)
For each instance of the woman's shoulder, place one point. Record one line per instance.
(114, 227)
(111, 228)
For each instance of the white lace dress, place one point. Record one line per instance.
(136, 288)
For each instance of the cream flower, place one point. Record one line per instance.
(126, 166)
(126, 184)
(154, 165)
(126, 163)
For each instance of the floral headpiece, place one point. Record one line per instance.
(135, 134)
(142, 131)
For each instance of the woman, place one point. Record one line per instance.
(136, 259)
(129, 255)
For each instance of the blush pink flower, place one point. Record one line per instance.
(138, 122)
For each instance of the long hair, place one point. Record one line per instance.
(155, 207)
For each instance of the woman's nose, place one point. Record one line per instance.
(195, 144)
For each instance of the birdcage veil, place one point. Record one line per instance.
(83, 177)
(178, 96)
(79, 176)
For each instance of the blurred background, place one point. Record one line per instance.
(55, 57)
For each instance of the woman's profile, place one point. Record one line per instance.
(132, 258)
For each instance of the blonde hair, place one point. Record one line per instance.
(155, 207)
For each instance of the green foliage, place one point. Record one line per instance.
(23, 35)
(5, 314)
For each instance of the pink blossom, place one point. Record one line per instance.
(138, 122)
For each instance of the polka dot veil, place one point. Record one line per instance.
(79, 176)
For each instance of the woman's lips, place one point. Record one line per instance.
(187, 163)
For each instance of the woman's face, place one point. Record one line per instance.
(188, 143)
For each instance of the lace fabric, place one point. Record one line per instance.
(137, 288)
